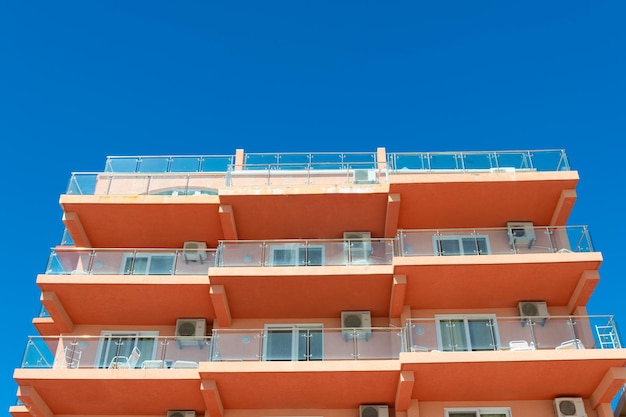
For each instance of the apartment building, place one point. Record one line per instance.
(365, 284)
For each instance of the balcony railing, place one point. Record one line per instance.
(493, 241)
(280, 343)
(487, 332)
(205, 174)
(317, 252)
(306, 342)
(69, 260)
(537, 160)
(91, 183)
(183, 163)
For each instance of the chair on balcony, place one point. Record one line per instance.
(185, 365)
(126, 362)
(194, 252)
(521, 345)
(153, 364)
(571, 344)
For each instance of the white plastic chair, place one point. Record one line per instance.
(571, 344)
(520, 345)
(185, 365)
(126, 362)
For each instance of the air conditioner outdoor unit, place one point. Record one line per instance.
(181, 413)
(533, 310)
(190, 329)
(358, 247)
(356, 324)
(569, 407)
(365, 176)
(373, 410)
(521, 234)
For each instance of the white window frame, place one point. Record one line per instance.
(479, 412)
(295, 339)
(104, 355)
(466, 319)
(297, 254)
(132, 258)
(460, 238)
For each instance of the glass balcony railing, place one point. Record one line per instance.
(308, 342)
(184, 163)
(87, 183)
(538, 160)
(69, 260)
(303, 174)
(522, 238)
(318, 252)
(280, 343)
(488, 332)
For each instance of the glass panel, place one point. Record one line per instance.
(161, 264)
(481, 334)
(278, 345)
(283, 256)
(462, 414)
(449, 247)
(453, 335)
(153, 165)
(309, 345)
(117, 345)
(311, 256)
(140, 266)
(185, 164)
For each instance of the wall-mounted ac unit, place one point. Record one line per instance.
(358, 247)
(365, 176)
(536, 310)
(521, 234)
(356, 324)
(181, 413)
(190, 329)
(569, 407)
(373, 410)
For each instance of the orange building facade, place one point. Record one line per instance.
(372, 284)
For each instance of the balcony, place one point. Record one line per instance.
(77, 261)
(519, 237)
(361, 250)
(311, 342)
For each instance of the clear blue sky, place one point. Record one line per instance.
(80, 80)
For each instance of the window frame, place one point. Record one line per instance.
(466, 319)
(300, 254)
(138, 338)
(438, 251)
(478, 412)
(129, 263)
(295, 330)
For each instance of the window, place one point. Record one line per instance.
(296, 255)
(450, 245)
(120, 343)
(293, 342)
(467, 333)
(478, 412)
(148, 264)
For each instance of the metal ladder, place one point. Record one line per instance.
(607, 336)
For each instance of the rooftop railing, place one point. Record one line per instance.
(181, 163)
(316, 252)
(69, 260)
(488, 332)
(308, 342)
(536, 160)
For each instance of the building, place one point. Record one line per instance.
(372, 284)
